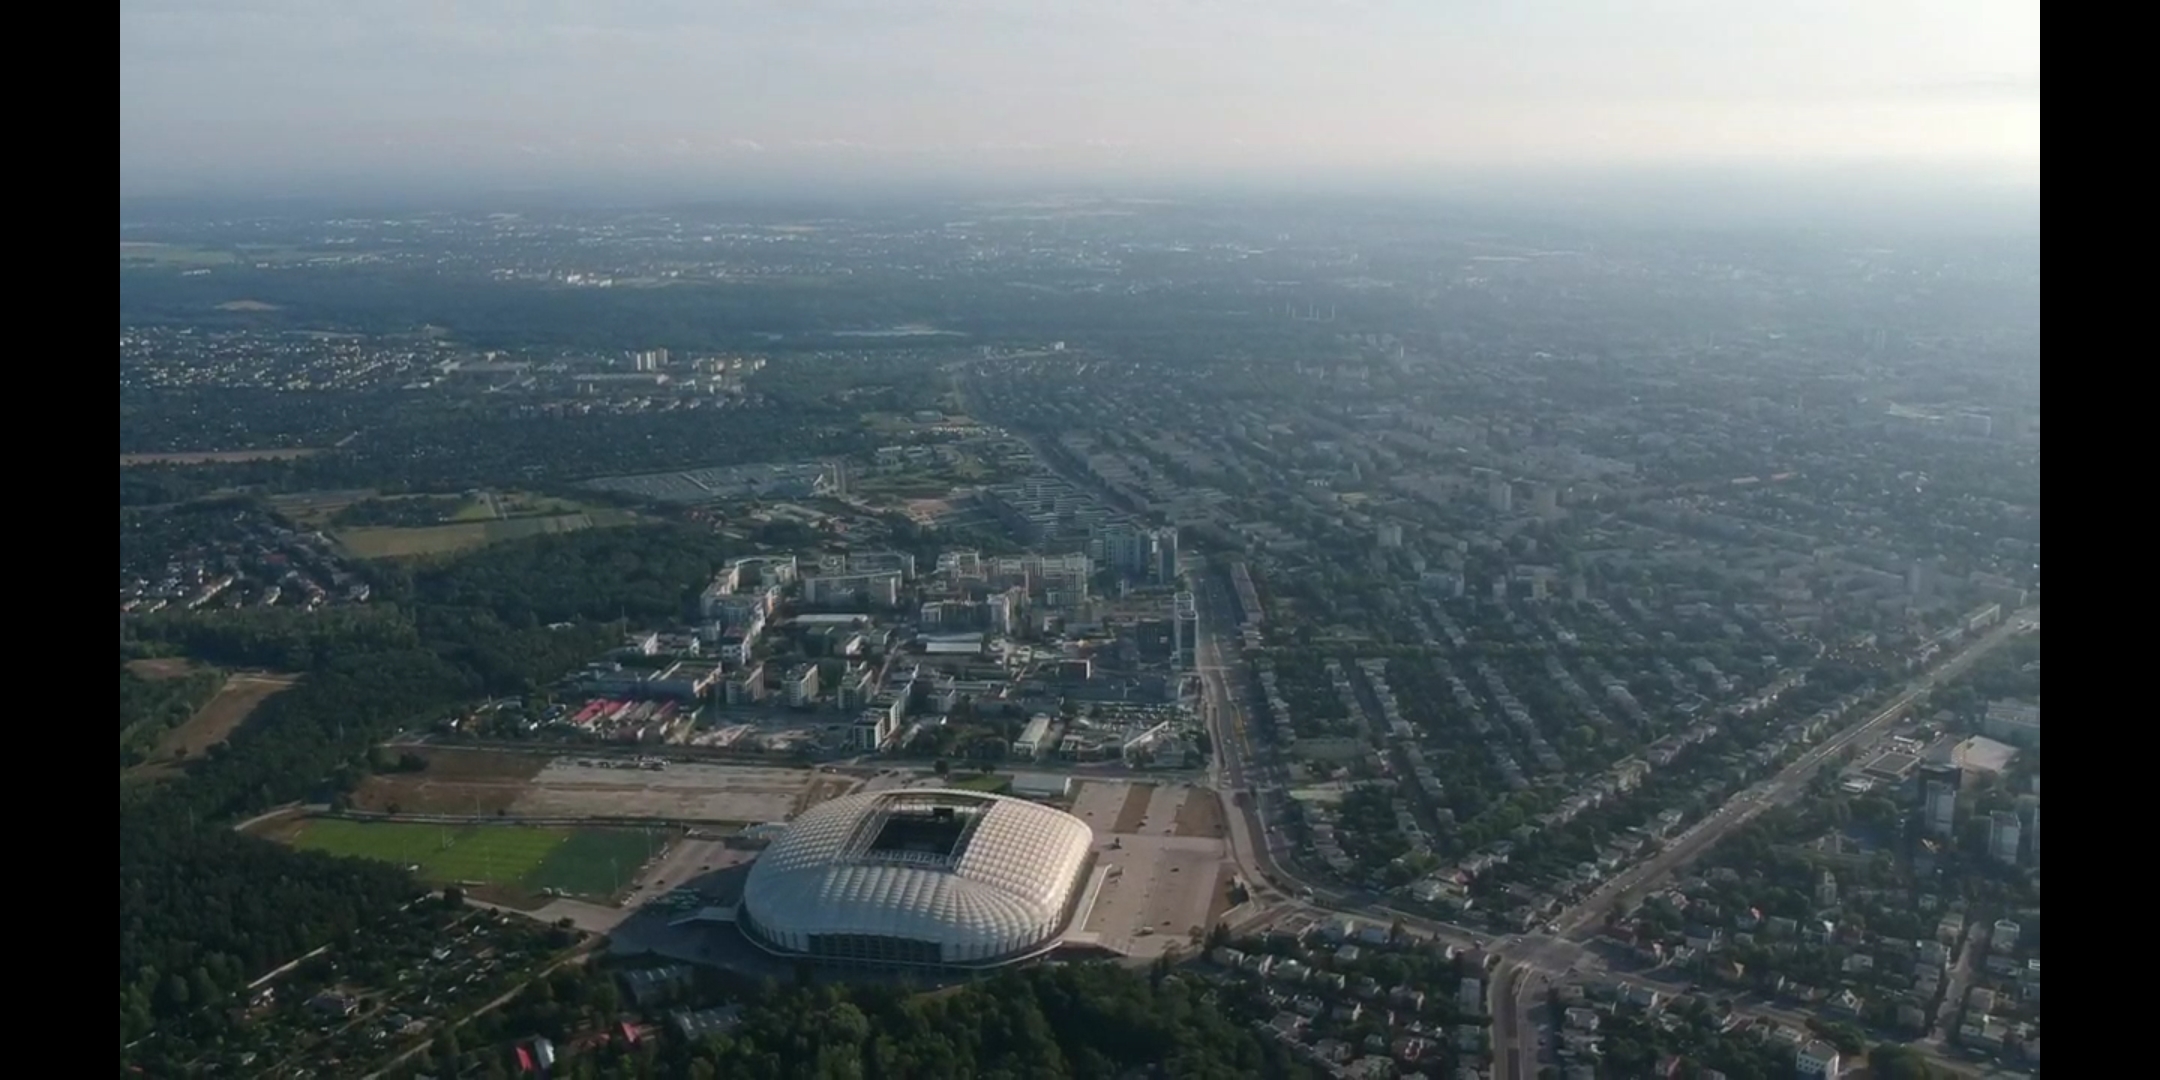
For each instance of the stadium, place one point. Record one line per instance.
(919, 878)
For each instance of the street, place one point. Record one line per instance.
(1526, 963)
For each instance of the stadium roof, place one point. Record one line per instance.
(979, 877)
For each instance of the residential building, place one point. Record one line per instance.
(1816, 1060)
(2013, 722)
(802, 686)
(1186, 617)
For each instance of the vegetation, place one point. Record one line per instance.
(581, 861)
(1083, 1021)
(151, 707)
(204, 910)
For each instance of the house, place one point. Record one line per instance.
(1288, 1025)
(334, 1004)
(1348, 1012)
(1816, 1060)
(1580, 1019)
(1912, 1017)
(1847, 1002)
(1470, 995)
(1409, 1049)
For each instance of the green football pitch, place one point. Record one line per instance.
(579, 862)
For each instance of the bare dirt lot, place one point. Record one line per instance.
(455, 782)
(161, 667)
(729, 794)
(1202, 815)
(1135, 811)
(484, 783)
(823, 788)
(215, 721)
(210, 457)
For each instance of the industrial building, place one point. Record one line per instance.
(919, 878)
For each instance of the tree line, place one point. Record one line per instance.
(203, 909)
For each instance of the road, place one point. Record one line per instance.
(1527, 962)
(1960, 980)
(1251, 842)
(1583, 919)
(1587, 915)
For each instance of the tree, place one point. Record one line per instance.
(942, 767)
(1891, 1061)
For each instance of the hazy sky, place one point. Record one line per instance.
(281, 91)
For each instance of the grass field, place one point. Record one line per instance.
(582, 862)
(391, 542)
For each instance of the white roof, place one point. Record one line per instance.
(1007, 892)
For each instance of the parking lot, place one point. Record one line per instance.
(1159, 888)
(1159, 885)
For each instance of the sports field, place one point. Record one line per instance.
(581, 862)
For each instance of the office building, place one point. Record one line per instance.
(1939, 784)
(1165, 552)
(2004, 833)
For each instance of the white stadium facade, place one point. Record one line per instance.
(919, 878)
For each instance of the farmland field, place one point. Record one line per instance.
(584, 862)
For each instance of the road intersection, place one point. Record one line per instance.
(1523, 966)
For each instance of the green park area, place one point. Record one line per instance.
(593, 863)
